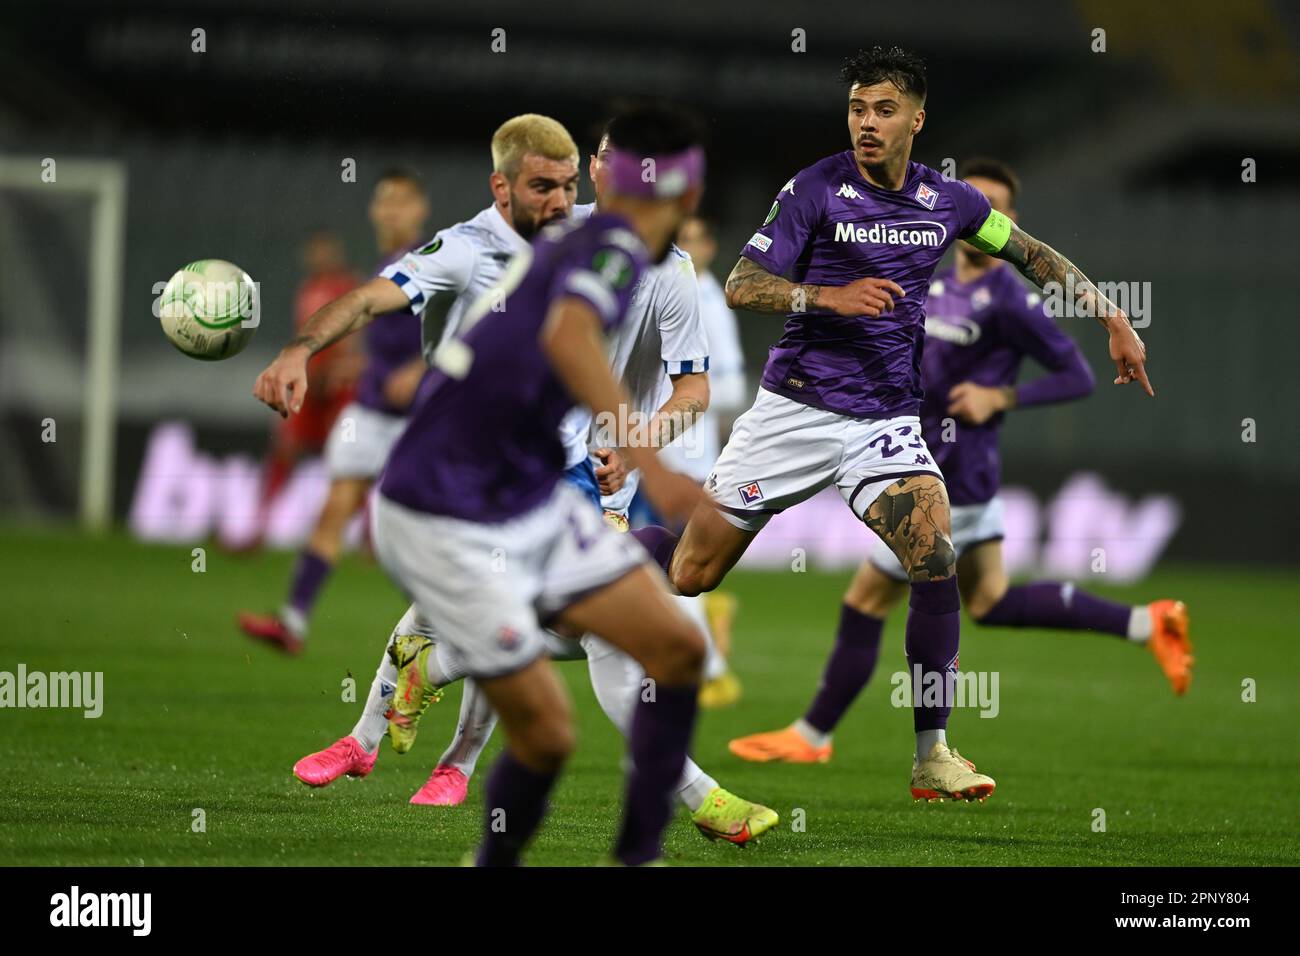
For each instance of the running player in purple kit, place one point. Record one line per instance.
(860, 233)
(366, 428)
(980, 324)
(473, 487)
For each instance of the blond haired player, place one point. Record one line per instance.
(534, 182)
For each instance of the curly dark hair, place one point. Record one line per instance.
(901, 67)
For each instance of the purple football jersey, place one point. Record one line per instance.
(979, 332)
(829, 226)
(392, 340)
(483, 441)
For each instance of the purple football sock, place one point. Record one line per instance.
(308, 576)
(933, 624)
(657, 742)
(515, 804)
(1057, 605)
(857, 645)
(659, 542)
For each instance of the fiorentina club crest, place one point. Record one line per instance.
(750, 493)
(926, 196)
(508, 638)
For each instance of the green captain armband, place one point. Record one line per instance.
(993, 234)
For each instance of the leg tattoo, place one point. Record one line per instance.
(911, 516)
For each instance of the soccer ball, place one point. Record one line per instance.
(210, 309)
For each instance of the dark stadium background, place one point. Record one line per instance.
(1131, 161)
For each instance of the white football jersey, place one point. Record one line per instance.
(465, 260)
(695, 452)
(661, 335)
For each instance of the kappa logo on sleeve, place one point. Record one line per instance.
(750, 493)
(926, 196)
(760, 242)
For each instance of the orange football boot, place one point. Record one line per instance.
(1171, 644)
(786, 746)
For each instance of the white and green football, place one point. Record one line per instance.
(210, 309)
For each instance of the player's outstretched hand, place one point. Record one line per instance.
(673, 495)
(870, 297)
(611, 473)
(1129, 353)
(283, 383)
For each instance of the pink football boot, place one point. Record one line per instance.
(345, 756)
(446, 787)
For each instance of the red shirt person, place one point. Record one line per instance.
(332, 372)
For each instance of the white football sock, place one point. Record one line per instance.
(925, 741)
(616, 679)
(294, 620)
(1139, 624)
(715, 665)
(473, 729)
(443, 666)
(372, 725)
(811, 734)
(696, 785)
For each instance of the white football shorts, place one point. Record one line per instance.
(782, 452)
(491, 588)
(360, 440)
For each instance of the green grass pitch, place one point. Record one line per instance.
(198, 717)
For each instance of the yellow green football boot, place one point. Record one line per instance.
(725, 816)
(413, 694)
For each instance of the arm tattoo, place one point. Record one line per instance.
(1042, 265)
(676, 417)
(750, 286)
(909, 516)
(334, 320)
